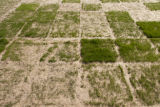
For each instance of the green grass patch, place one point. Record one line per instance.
(122, 24)
(66, 24)
(153, 6)
(13, 52)
(3, 43)
(156, 42)
(136, 50)
(97, 50)
(150, 29)
(105, 1)
(146, 81)
(91, 7)
(27, 7)
(71, 1)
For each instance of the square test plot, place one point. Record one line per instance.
(123, 25)
(94, 24)
(15, 21)
(106, 85)
(145, 81)
(66, 24)
(76, 7)
(55, 85)
(40, 23)
(98, 50)
(137, 50)
(156, 42)
(66, 51)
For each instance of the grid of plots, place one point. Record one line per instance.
(81, 53)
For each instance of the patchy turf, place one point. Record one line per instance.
(145, 80)
(136, 50)
(98, 50)
(123, 25)
(153, 6)
(66, 24)
(70, 1)
(91, 7)
(150, 29)
(106, 86)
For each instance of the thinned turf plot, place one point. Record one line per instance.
(153, 6)
(123, 25)
(98, 50)
(3, 43)
(91, 7)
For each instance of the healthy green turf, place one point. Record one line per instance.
(150, 29)
(3, 43)
(153, 6)
(91, 7)
(27, 7)
(122, 24)
(146, 81)
(71, 1)
(97, 50)
(136, 50)
(104, 1)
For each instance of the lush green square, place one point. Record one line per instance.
(91, 7)
(136, 50)
(3, 43)
(71, 1)
(153, 6)
(98, 50)
(150, 29)
(27, 7)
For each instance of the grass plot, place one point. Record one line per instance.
(106, 86)
(150, 29)
(98, 50)
(153, 6)
(91, 7)
(123, 25)
(136, 50)
(66, 24)
(146, 81)
(3, 43)
(70, 1)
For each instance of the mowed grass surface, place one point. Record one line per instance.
(105, 1)
(91, 7)
(153, 6)
(70, 1)
(146, 81)
(156, 42)
(136, 50)
(3, 43)
(98, 50)
(150, 29)
(122, 24)
(39, 24)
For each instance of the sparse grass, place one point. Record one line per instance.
(3, 43)
(12, 52)
(107, 86)
(104, 1)
(146, 81)
(97, 50)
(122, 24)
(136, 50)
(156, 42)
(91, 7)
(150, 29)
(153, 6)
(71, 1)
(66, 24)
